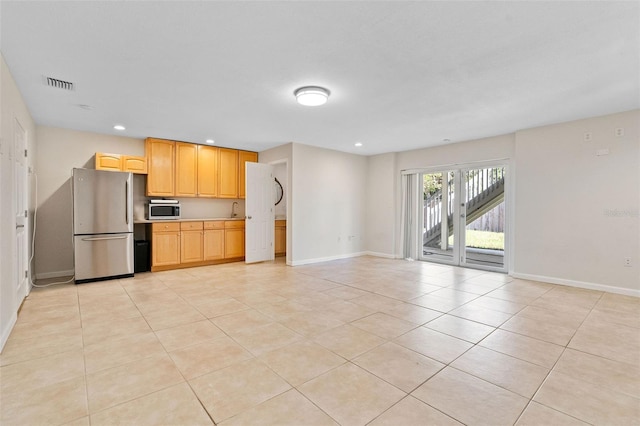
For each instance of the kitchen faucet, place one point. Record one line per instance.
(233, 209)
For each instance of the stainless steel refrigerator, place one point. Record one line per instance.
(102, 225)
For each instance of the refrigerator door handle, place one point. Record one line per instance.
(121, 237)
(126, 202)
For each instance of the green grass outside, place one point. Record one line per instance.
(483, 240)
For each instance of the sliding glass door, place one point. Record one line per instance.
(438, 216)
(464, 217)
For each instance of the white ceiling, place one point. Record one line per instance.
(403, 75)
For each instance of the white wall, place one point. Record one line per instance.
(12, 107)
(328, 204)
(577, 214)
(381, 201)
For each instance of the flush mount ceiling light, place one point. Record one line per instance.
(119, 127)
(312, 95)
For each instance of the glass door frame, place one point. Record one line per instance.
(455, 255)
(462, 216)
(458, 257)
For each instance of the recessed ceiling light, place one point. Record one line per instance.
(85, 107)
(119, 127)
(312, 95)
(358, 144)
(210, 141)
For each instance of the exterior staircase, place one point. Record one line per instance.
(484, 191)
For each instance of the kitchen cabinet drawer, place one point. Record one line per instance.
(191, 226)
(165, 227)
(217, 224)
(234, 224)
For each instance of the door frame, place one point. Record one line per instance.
(459, 235)
(289, 218)
(21, 283)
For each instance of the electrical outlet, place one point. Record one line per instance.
(627, 262)
(620, 132)
(587, 137)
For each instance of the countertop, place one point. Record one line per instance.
(206, 219)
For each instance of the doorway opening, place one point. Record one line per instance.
(463, 217)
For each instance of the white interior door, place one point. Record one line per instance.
(260, 221)
(20, 194)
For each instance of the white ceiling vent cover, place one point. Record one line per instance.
(59, 84)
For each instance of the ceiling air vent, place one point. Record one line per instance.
(60, 84)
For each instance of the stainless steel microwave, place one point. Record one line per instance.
(163, 209)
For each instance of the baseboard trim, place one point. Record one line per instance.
(7, 330)
(54, 274)
(578, 284)
(327, 259)
(378, 254)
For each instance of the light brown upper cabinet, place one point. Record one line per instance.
(208, 171)
(228, 173)
(111, 162)
(186, 170)
(180, 169)
(243, 158)
(161, 160)
(121, 163)
(134, 164)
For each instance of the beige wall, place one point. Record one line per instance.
(381, 192)
(59, 151)
(577, 214)
(469, 152)
(328, 204)
(12, 108)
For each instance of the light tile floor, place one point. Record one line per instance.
(351, 342)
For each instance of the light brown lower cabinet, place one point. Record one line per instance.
(280, 238)
(214, 240)
(185, 244)
(191, 240)
(165, 244)
(233, 239)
